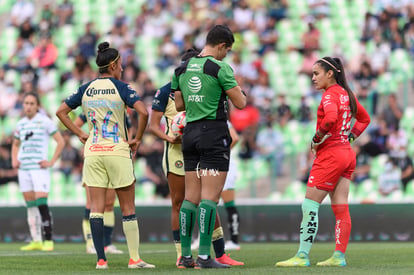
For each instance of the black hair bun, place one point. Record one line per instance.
(103, 46)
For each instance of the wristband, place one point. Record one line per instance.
(351, 138)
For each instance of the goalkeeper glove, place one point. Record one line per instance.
(316, 141)
(351, 138)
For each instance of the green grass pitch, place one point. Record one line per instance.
(259, 258)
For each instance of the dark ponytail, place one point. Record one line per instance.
(106, 56)
(335, 65)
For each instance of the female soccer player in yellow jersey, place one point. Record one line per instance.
(108, 151)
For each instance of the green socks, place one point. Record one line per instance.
(187, 221)
(309, 225)
(206, 221)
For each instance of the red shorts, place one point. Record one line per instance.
(329, 166)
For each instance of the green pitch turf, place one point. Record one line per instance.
(362, 258)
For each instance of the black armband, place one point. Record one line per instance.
(243, 92)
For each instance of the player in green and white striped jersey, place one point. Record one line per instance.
(30, 156)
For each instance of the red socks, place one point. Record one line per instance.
(342, 226)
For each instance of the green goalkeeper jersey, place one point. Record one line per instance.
(203, 82)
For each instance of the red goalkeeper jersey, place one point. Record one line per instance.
(335, 110)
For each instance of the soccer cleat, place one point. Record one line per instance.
(337, 259)
(102, 264)
(186, 263)
(111, 249)
(178, 261)
(209, 263)
(48, 246)
(32, 246)
(139, 264)
(230, 245)
(90, 250)
(225, 259)
(300, 259)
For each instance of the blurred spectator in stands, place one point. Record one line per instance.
(43, 29)
(148, 89)
(44, 54)
(363, 160)
(378, 137)
(8, 95)
(397, 142)
(389, 180)
(119, 36)
(87, 42)
(304, 113)
(319, 8)
(242, 15)
(47, 15)
(407, 170)
(268, 37)
(283, 110)
(180, 28)
(131, 63)
(310, 38)
(246, 70)
(245, 122)
(394, 34)
(46, 82)
(270, 146)
(392, 112)
(27, 31)
(261, 91)
(121, 20)
(64, 13)
(369, 27)
(380, 54)
(366, 83)
(7, 172)
(168, 52)
(309, 59)
(27, 80)
(82, 70)
(70, 160)
(156, 22)
(19, 59)
(21, 11)
(409, 39)
(278, 9)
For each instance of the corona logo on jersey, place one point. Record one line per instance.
(92, 92)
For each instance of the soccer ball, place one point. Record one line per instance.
(178, 123)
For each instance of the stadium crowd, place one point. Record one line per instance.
(51, 50)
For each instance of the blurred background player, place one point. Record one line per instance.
(173, 164)
(228, 195)
(109, 215)
(108, 151)
(29, 155)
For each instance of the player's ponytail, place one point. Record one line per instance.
(341, 79)
(106, 56)
(335, 65)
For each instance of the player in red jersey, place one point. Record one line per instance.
(335, 160)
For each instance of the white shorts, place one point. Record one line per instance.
(231, 176)
(37, 180)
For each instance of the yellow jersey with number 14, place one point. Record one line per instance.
(104, 101)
